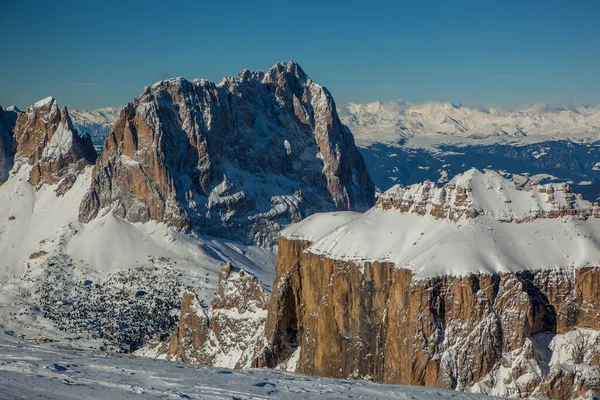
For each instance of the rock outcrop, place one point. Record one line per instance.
(392, 315)
(8, 118)
(45, 138)
(503, 200)
(227, 334)
(240, 159)
(490, 333)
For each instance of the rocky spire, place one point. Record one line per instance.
(46, 139)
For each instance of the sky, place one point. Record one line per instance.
(91, 54)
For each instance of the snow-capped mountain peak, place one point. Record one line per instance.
(393, 120)
(45, 102)
(274, 137)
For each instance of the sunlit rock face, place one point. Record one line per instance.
(45, 138)
(477, 285)
(229, 333)
(239, 159)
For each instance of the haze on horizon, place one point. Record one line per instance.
(477, 53)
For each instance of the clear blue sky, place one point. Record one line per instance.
(92, 54)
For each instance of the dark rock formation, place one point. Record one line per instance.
(8, 118)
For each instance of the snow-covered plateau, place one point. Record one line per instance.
(479, 222)
(481, 285)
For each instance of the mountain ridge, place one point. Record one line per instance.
(397, 120)
(247, 153)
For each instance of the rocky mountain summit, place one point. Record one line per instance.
(240, 159)
(45, 138)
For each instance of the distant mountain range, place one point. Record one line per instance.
(385, 121)
(409, 143)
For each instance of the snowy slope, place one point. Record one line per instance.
(30, 371)
(494, 228)
(88, 279)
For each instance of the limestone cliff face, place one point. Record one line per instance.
(240, 158)
(486, 332)
(8, 118)
(46, 139)
(478, 285)
(228, 334)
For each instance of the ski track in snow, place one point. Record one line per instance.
(44, 372)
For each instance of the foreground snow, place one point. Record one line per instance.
(30, 371)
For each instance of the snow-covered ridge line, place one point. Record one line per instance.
(467, 234)
(475, 193)
(399, 119)
(43, 102)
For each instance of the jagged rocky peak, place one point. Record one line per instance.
(241, 158)
(8, 118)
(476, 193)
(229, 333)
(45, 138)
